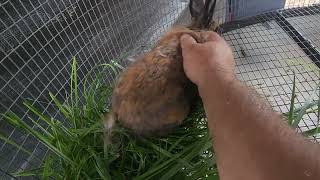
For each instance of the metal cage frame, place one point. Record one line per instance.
(39, 38)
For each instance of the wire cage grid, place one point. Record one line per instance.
(39, 38)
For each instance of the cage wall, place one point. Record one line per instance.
(39, 38)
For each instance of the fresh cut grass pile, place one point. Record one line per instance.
(79, 148)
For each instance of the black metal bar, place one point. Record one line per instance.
(233, 25)
(303, 43)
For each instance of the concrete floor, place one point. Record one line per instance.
(300, 3)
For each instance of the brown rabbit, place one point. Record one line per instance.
(153, 94)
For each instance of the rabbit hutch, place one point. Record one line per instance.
(44, 43)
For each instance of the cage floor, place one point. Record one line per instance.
(269, 63)
(308, 26)
(267, 58)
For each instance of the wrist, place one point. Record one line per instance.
(215, 85)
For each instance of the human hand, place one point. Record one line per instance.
(212, 60)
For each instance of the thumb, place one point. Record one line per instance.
(187, 41)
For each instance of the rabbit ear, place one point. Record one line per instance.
(209, 8)
(202, 12)
(196, 8)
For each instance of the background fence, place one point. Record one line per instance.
(39, 38)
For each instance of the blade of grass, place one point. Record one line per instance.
(167, 165)
(113, 63)
(168, 154)
(177, 142)
(86, 131)
(213, 177)
(59, 127)
(49, 121)
(8, 141)
(172, 147)
(297, 110)
(16, 121)
(41, 128)
(197, 150)
(117, 64)
(314, 131)
(34, 173)
(151, 172)
(305, 107)
(311, 132)
(58, 138)
(201, 171)
(28, 173)
(293, 96)
(100, 167)
(80, 169)
(106, 65)
(75, 95)
(312, 111)
(36, 112)
(46, 173)
(61, 108)
(109, 66)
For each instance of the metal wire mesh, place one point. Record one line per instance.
(39, 38)
(268, 55)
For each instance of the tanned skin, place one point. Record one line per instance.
(251, 141)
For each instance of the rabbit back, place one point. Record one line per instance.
(153, 94)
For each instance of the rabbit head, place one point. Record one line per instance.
(202, 14)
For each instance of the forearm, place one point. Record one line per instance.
(251, 141)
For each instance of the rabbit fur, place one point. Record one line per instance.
(153, 94)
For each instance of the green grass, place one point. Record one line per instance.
(79, 150)
(295, 115)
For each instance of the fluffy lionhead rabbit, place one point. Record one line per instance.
(153, 94)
